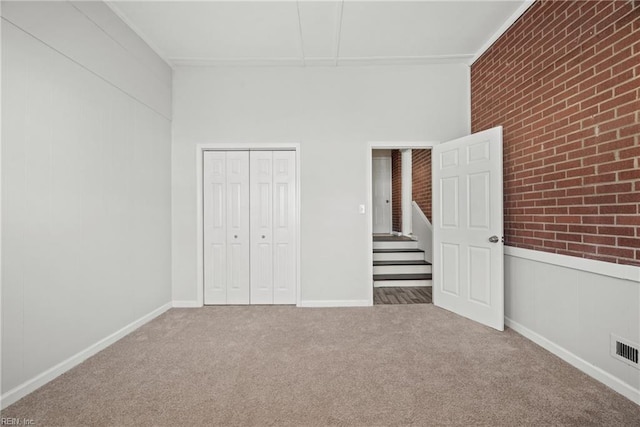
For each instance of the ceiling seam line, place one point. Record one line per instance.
(304, 59)
(338, 32)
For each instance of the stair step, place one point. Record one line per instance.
(395, 255)
(384, 251)
(423, 268)
(409, 262)
(399, 244)
(401, 283)
(422, 276)
(401, 280)
(391, 238)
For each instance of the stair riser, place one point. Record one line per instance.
(395, 245)
(398, 256)
(400, 283)
(401, 269)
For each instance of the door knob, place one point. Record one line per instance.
(263, 236)
(387, 201)
(494, 239)
(235, 236)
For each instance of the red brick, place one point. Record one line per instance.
(618, 209)
(599, 240)
(628, 220)
(629, 242)
(600, 219)
(616, 252)
(616, 231)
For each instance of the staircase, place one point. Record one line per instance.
(397, 261)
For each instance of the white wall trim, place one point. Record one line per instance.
(381, 145)
(422, 215)
(226, 146)
(336, 303)
(422, 231)
(33, 384)
(593, 371)
(503, 29)
(619, 271)
(185, 304)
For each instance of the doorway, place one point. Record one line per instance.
(400, 269)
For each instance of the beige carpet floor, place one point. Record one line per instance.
(379, 366)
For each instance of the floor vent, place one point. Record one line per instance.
(625, 351)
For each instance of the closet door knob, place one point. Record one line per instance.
(235, 236)
(263, 236)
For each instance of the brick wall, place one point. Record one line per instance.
(396, 190)
(564, 81)
(421, 179)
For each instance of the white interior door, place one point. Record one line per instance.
(284, 227)
(273, 240)
(226, 227)
(381, 168)
(261, 227)
(468, 276)
(215, 233)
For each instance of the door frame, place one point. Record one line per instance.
(390, 192)
(383, 145)
(248, 146)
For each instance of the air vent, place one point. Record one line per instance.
(625, 351)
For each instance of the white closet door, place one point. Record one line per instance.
(238, 237)
(261, 227)
(215, 236)
(284, 227)
(226, 227)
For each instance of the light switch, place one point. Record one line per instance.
(361, 209)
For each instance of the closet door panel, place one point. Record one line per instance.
(261, 166)
(215, 238)
(237, 232)
(284, 227)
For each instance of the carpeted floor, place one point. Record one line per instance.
(377, 366)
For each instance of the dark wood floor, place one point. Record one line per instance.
(402, 295)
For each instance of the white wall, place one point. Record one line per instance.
(85, 186)
(571, 305)
(333, 113)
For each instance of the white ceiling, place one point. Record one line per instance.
(309, 33)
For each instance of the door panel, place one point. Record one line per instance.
(284, 227)
(238, 238)
(226, 227)
(468, 278)
(381, 168)
(215, 238)
(261, 227)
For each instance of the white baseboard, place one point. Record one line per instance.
(593, 371)
(186, 304)
(336, 303)
(35, 383)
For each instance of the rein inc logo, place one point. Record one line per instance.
(17, 422)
